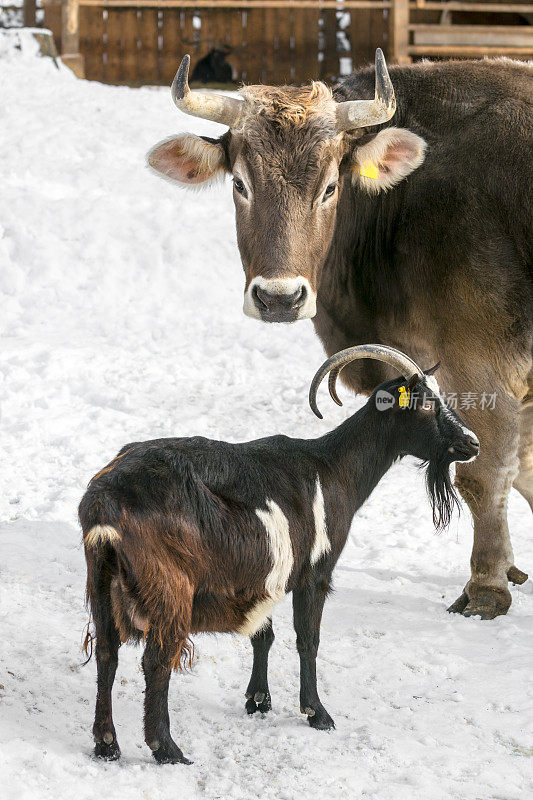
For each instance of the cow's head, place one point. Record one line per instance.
(288, 149)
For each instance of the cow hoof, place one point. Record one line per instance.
(107, 751)
(484, 603)
(259, 702)
(516, 576)
(169, 753)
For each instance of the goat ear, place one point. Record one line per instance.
(412, 382)
(188, 159)
(432, 370)
(389, 157)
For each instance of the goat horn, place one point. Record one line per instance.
(207, 105)
(362, 113)
(405, 365)
(332, 385)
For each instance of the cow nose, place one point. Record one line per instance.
(279, 307)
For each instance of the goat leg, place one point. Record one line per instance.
(157, 667)
(308, 603)
(257, 693)
(106, 651)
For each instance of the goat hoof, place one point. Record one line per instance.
(320, 720)
(484, 603)
(169, 753)
(259, 702)
(108, 751)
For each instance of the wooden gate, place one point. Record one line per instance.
(271, 41)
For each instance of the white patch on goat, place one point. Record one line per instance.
(322, 544)
(281, 286)
(99, 534)
(279, 540)
(432, 384)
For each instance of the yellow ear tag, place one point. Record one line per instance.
(405, 395)
(369, 170)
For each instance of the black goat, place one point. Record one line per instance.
(189, 535)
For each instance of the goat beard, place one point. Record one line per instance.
(441, 493)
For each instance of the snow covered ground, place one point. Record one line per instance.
(121, 314)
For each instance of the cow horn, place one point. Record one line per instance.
(354, 114)
(405, 365)
(208, 105)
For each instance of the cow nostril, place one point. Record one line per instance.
(474, 444)
(300, 298)
(258, 299)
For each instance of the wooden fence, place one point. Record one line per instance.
(141, 42)
(271, 41)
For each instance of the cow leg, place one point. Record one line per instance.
(484, 484)
(157, 667)
(308, 603)
(524, 479)
(257, 692)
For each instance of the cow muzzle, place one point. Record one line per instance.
(280, 299)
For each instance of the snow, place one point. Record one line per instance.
(121, 312)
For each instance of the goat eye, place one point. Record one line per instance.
(329, 191)
(240, 187)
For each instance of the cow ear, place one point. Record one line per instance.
(390, 156)
(188, 159)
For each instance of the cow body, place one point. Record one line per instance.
(414, 233)
(442, 268)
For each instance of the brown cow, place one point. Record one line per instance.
(415, 234)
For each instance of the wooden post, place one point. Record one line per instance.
(400, 31)
(70, 38)
(29, 13)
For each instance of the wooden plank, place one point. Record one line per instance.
(362, 45)
(52, 20)
(29, 13)
(234, 39)
(521, 35)
(255, 48)
(188, 34)
(130, 50)
(113, 61)
(460, 38)
(282, 45)
(92, 42)
(346, 4)
(149, 51)
(400, 31)
(172, 47)
(305, 32)
(494, 7)
(435, 50)
(329, 65)
(270, 30)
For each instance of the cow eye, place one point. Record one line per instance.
(329, 191)
(240, 187)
